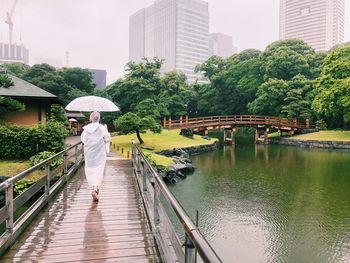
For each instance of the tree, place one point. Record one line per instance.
(45, 76)
(131, 122)
(57, 114)
(17, 69)
(78, 78)
(142, 81)
(332, 101)
(8, 104)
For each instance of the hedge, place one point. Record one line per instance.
(23, 142)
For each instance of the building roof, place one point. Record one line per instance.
(22, 88)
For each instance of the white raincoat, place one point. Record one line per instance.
(94, 138)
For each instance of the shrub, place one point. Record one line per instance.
(23, 142)
(43, 156)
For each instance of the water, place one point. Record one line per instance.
(272, 204)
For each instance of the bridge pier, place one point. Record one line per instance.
(266, 136)
(256, 136)
(225, 135)
(233, 135)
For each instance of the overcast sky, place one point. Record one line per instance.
(96, 32)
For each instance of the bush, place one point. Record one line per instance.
(43, 156)
(23, 142)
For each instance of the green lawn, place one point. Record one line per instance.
(167, 139)
(13, 167)
(324, 136)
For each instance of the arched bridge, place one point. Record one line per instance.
(261, 123)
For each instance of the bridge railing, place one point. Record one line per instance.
(154, 192)
(37, 195)
(237, 120)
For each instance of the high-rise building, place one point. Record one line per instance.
(99, 77)
(221, 45)
(13, 53)
(320, 23)
(174, 30)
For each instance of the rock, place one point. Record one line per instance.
(206, 138)
(187, 133)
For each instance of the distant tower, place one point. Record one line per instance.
(320, 23)
(221, 45)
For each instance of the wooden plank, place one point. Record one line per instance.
(73, 228)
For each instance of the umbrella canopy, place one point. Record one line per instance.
(91, 103)
(72, 120)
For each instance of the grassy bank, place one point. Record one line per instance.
(13, 167)
(163, 141)
(325, 136)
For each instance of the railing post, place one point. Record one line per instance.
(164, 122)
(144, 182)
(47, 175)
(65, 165)
(170, 122)
(189, 250)
(186, 120)
(9, 207)
(76, 154)
(307, 123)
(156, 204)
(180, 121)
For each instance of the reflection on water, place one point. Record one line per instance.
(272, 203)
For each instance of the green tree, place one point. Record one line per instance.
(142, 81)
(8, 104)
(78, 78)
(332, 101)
(131, 122)
(57, 114)
(17, 69)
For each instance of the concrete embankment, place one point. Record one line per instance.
(311, 143)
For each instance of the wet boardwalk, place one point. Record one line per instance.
(75, 229)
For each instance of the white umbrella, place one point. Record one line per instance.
(91, 103)
(72, 120)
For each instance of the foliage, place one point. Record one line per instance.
(57, 114)
(131, 122)
(333, 93)
(10, 105)
(5, 81)
(43, 156)
(78, 78)
(17, 69)
(23, 142)
(22, 186)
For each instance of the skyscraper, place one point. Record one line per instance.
(320, 23)
(13, 53)
(221, 45)
(174, 30)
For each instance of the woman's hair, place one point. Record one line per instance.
(95, 116)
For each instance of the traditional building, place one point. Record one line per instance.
(36, 100)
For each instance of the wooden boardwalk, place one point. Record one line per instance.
(75, 229)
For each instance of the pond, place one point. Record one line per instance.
(271, 203)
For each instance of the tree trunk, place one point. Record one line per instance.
(139, 137)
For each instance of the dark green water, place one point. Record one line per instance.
(272, 204)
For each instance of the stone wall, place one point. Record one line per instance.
(311, 143)
(192, 150)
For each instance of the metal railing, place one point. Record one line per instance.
(153, 190)
(73, 157)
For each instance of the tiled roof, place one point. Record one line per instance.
(22, 88)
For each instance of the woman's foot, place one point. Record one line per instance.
(94, 193)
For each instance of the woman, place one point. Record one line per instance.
(94, 138)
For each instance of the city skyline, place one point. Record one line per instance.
(96, 35)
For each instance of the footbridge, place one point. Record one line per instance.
(55, 219)
(229, 123)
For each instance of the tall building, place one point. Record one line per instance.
(221, 45)
(99, 77)
(13, 53)
(320, 23)
(174, 30)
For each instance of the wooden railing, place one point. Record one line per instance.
(238, 120)
(72, 158)
(154, 192)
